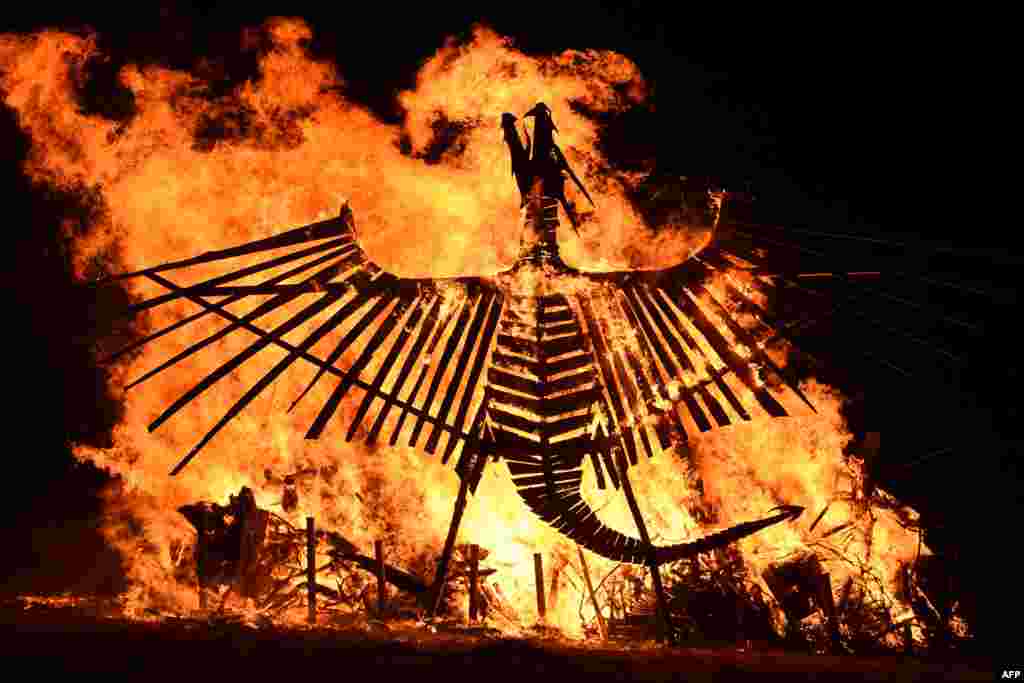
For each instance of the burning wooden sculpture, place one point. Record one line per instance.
(542, 365)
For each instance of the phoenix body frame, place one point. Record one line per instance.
(546, 367)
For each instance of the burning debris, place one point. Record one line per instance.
(256, 559)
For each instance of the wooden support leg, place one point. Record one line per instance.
(538, 572)
(664, 629)
(311, 570)
(453, 531)
(474, 568)
(378, 551)
(201, 559)
(601, 625)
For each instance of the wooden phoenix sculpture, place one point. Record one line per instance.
(546, 367)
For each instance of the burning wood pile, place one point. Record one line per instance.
(249, 557)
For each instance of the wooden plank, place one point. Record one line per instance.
(227, 368)
(413, 358)
(306, 356)
(649, 346)
(455, 382)
(263, 309)
(410, 324)
(428, 324)
(674, 327)
(449, 350)
(180, 292)
(474, 376)
(333, 227)
(678, 362)
(310, 571)
(354, 371)
(601, 353)
(740, 367)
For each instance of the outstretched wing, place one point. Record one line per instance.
(676, 358)
(422, 344)
(732, 330)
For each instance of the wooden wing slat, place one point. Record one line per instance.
(309, 285)
(651, 341)
(455, 383)
(446, 357)
(220, 305)
(602, 352)
(333, 227)
(385, 328)
(670, 325)
(378, 381)
(429, 353)
(475, 372)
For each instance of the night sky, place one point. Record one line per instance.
(852, 122)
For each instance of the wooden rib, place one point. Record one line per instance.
(654, 377)
(446, 356)
(257, 346)
(608, 378)
(720, 344)
(426, 327)
(673, 330)
(310, 358)
(333, 227)
(642, 381)
(238, 275)
(396, 349)
(477, 443)
(746, 339)
(263, 309)
(265, 381)
(382, 333)
(455, 382)
(718, 379)
(357, 302)
(668, 370)
(595, 462)
(219, 305)
(412, 359)
(638, 429)
(486, 342)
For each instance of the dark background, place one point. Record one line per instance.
(847, 121)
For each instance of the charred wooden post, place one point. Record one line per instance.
(201, 563)
(664, 630)
(601, 625)
(538, 572)
(474, 569)
(378, 551)
(871, 447)
(828, 606)
(311, 570)
(465, 485)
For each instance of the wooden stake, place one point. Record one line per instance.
(453, 531)
(659, 590)
(378, 550)
(538, 571)
(311, 570)
(201, 558)
(601, 625)
(474, 568)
